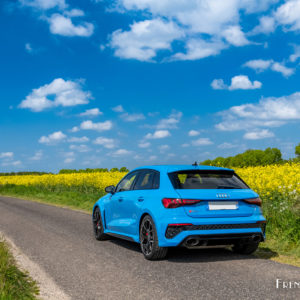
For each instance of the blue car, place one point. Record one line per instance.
(185, 205)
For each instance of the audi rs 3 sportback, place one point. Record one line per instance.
(191, 206)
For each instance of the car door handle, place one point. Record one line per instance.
(121, 199)
(140, 199)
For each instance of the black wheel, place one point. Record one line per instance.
(98, 226)
(149, 240)
(247, 248)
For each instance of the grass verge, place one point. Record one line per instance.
(14, 283)
(281, 245)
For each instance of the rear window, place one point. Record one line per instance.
(201, 179)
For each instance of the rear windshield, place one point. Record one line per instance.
(201, 179)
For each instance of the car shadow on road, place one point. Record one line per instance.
(184, 255)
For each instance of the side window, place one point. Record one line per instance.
(126, 183)
(148, 180)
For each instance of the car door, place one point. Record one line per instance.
(145, 189)
(116, 212)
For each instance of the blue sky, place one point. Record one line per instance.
(96, 83)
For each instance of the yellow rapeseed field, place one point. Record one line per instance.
(274, 178)
(95, 180)
(264, 179)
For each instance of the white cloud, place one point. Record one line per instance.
(293, 57)
(227, 146)
(268, 112)
(132, 117)
(101, 126)
(75, 129)
(38, 155)
(105, 142)
(170, 122)
(152, 157)
(28, 48)
(121, 152)
(242, 82)
(6, 155)
(266, 25)
(144, 39)
(205, 27)
(62, 25)
(11, 163)
(260, 65)
(185, 145)
(193, 133)
(277, 67)
(80, 148)
(82, 139)
(239, 82)
(64, 92)
(93, 112)
(144, 145)
(44, 4)
(69, 160)
(163, 148)
(74, 13)
(52, 138)
(257, 135)
(235, 36)
(202, 142)
(158, 134)
(218, 84)
(199, 48)
(118, 108)
(288, 14)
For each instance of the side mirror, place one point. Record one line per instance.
(110, 189)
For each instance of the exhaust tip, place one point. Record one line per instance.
(192, 242)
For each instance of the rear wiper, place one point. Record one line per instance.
(227, 187)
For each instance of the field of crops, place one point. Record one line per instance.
(278, 186)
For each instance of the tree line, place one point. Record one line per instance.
(249, 158)
(89, 170)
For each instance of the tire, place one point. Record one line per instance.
(247, 248)
(149, 240)
(98, 226)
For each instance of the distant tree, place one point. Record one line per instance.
(249, 158)
(206, 162)
(124, 169)
(114, 170)
(297, 150)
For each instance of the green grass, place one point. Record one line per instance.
(14, 283)
(74, 198)
(281, 210)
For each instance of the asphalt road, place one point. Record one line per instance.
(61, 242)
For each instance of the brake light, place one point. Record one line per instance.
(176, 202)
(255, 201)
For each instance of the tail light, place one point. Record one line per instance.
(176, 202)
(255, 201)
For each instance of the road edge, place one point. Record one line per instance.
(49, 290)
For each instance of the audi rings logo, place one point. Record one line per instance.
(223, 196)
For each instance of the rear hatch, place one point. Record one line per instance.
(221, 193)
(218, 203)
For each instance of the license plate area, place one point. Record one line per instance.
(222, 205)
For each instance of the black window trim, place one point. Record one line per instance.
(142, 171)
(133, 184)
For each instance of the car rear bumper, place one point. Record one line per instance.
(225, 231)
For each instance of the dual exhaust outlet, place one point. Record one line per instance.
(198, 242)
